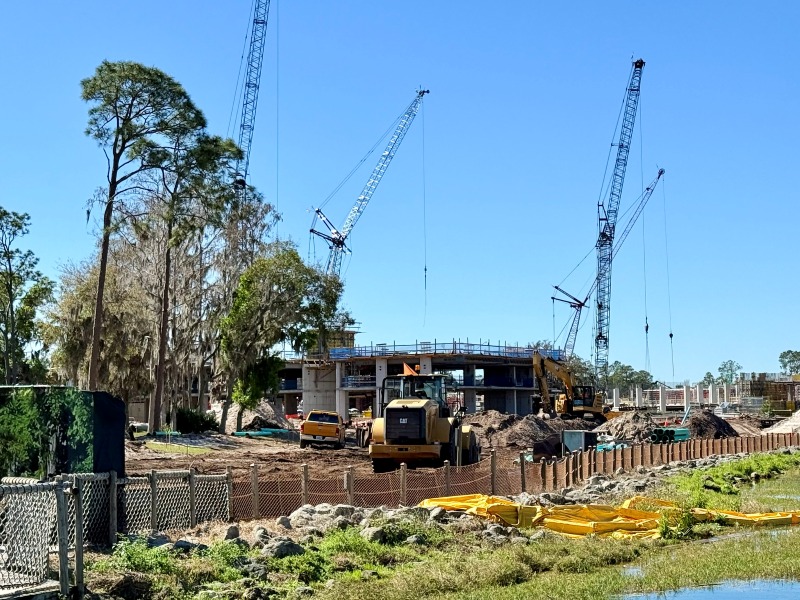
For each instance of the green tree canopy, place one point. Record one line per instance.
(278, 299)
(790, 361)
(132, 107)
(728, 370)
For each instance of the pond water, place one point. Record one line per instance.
(769, 590)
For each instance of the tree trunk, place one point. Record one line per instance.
(97, 323)
(155, 407)
(11, 335)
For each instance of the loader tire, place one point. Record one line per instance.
(382, 465)
(303, 443)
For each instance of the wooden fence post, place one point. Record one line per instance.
(304, 484)
(254, 491)
(348, 478)
(192, 498)
(554, 478)
(447, 478)
(568, 466)
(63, 536)
(229, 481)
(112, 508)
(493, 477)
(542, 473)
(153, 501)
(522, 472)
(78, 501)
(403, 488)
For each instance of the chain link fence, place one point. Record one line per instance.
(26, 510)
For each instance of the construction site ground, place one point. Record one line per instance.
(507, 434)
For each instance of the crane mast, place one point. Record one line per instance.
(607, 221)
(337, 238)
(255, 58)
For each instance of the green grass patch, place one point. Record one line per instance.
(174, 448)
(722, 487)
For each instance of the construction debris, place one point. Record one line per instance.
(706, 425)
(634, 426)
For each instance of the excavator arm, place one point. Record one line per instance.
(544, 365)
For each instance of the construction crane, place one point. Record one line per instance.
(575, 303)
(337, 238)
(255, 58)
(607, 222)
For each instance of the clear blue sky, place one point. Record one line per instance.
(516, 131)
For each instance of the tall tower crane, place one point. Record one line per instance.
(607, 222)
(255, 58)
(337, 238)
(578, 304)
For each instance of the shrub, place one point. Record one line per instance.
(194, 421)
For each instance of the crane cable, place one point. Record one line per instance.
(277, 28)
(424, 225)
(644, 246)
(669, 291)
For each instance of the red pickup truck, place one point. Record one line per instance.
(322, 427)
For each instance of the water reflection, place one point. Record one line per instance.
(772, 590)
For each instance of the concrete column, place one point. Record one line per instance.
(700, 394)
(687, 397)
(469, 400)
(425, 365)
(615, 398)
(662, 398)
(381, 370)
(726, 393)
(712, 393)
(638, 401)
(341, 393)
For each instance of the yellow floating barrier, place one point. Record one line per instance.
(578, 520)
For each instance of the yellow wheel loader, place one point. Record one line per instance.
(416, 426)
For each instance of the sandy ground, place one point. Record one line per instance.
(508, 434)
(273, 456)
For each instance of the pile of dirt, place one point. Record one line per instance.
(498, 430)
(746, 425)
(263, 416)
(705, 424)
(633, 426)
(789, 425)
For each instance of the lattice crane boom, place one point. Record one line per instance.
(337, 238)
(255, 59)
(607, 221)
(577, 304)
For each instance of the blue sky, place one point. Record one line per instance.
(516, 131)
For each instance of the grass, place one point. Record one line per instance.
(463, 565)
(174, 448)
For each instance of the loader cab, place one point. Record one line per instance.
(414, 387)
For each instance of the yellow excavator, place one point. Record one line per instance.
(575, 401)
(416, 426)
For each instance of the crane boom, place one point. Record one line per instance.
(338, 239)
(578, 304)
(607, 221)
(255, 59)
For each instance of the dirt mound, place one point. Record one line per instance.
(263, 416)
(746, 425)
(498, 430)
(634, 426)
(705, 424)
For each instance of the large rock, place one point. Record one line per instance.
(284, 522)
(343, 510)
(373, 534)
(281, 547)
(232, 533)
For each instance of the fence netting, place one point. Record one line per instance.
(26, 510)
